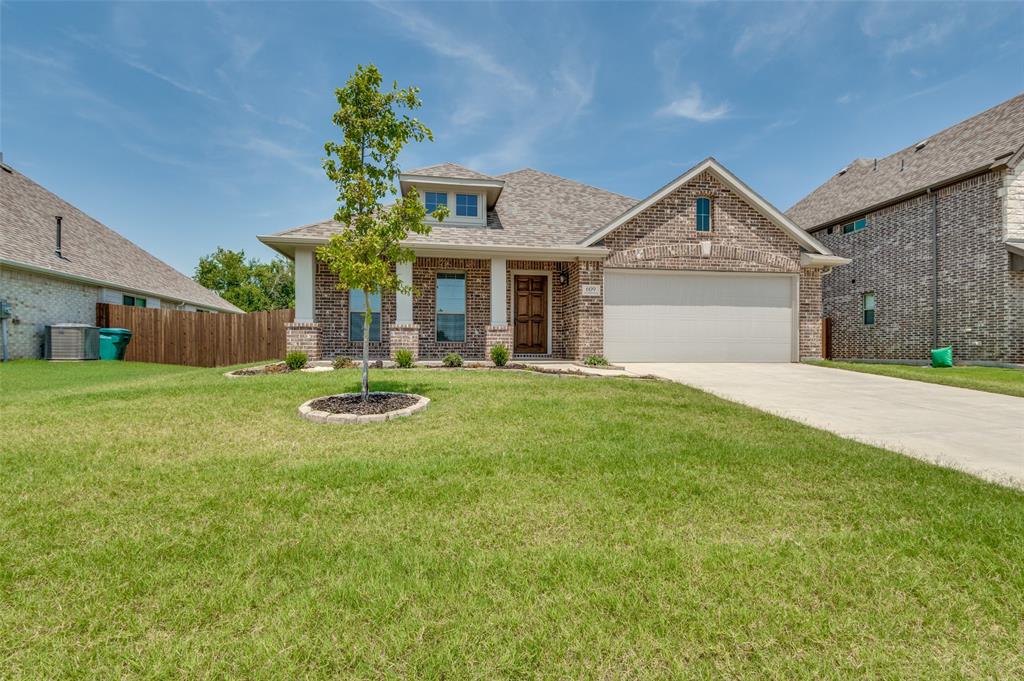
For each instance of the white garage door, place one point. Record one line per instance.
(676, 317)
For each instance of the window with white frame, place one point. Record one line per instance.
(703, 214)
(451, 307)
(869, 308)
(356, 309)
(135, 301)
(465, 205)
(434, 199)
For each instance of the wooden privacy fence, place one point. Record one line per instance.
(826, 338)
(201, 339)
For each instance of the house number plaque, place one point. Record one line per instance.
(591, 289)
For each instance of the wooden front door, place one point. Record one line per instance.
(531, 310)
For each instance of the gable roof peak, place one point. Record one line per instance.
(449, 170)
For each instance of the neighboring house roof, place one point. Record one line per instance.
(91, 252)
(987, 140)
(453, 170)
(535, 209)
(712, 166)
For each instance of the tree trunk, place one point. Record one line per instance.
(367, 321)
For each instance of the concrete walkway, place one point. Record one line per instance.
(977, 432)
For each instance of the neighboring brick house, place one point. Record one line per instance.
(702, 270)
(935, 233)
(48, 279)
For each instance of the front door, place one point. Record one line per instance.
(531, 314)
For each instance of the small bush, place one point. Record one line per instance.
(499, 355)
(296, 360)
(342, 362)
(403, 358)
(452, 359)
(596, 361)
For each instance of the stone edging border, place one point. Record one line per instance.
(307, 412)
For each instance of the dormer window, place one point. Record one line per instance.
(465, 205)
(434, 199)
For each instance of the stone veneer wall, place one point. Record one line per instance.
(37, 300)
(892, 257)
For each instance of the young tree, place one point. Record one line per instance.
(364, 166)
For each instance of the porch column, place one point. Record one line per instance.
(304, 333)
(304, 268)
(498, 333)
(498, 293)
(403, 301)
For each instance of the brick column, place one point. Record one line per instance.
(304, 337)
(810, 314)
(407, 337)
(588, 277)
(497, 335)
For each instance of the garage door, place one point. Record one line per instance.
(676, 317)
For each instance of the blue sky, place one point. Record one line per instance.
(186, 126)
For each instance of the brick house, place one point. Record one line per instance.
(935, 233)
(56, 263)
(703, 269)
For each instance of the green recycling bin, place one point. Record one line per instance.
(113, 343)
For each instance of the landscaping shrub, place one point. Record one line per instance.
(596, 361)
(403, 358)
(452, 359)
(343, 362)
(499, 355)
(296, 360)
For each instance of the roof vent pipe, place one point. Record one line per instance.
(57, 251)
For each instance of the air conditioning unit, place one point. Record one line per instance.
(72, 341)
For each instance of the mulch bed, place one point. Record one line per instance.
(378, 403)
(279, 368)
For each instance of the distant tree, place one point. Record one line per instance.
(250, 284)
(364, 166)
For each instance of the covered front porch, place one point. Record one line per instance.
(539, 303)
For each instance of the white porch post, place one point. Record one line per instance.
(403, 301)
(498, 294)
(304, 269)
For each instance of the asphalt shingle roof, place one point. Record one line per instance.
(534, 209)
(90, 249)
(968, 146)
(451, 170)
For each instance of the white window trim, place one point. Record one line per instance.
(512, 320)
(465, 308)
(480, 220)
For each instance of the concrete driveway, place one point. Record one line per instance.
(977, 432)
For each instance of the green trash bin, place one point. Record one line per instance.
(113, 343)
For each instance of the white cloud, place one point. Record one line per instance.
(930, 34)
(847, 98)
(767, 36)
(693, 106)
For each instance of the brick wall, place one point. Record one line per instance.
(304, 337)
(892, 257)
(665, 237)
(37, 300)
(741, 240)
(330, 310)
(560, 331)
(478, 305)
(584, 315)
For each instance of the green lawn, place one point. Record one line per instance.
(988, 379)
(166, 522)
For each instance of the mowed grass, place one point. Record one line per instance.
(167, 522)
(988, 379)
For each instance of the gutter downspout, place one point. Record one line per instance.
(935, 268)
